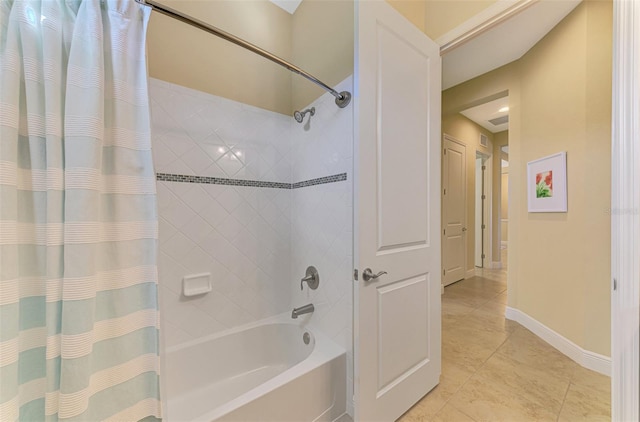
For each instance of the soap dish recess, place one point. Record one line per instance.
(196, 284)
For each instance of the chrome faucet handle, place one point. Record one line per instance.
(312, 278)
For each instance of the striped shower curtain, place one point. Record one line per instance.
(78, 219)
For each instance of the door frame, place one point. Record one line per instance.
(447, 137)
(488, 209)
(625, 213)
(479, 215)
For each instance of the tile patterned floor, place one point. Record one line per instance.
(494, 369)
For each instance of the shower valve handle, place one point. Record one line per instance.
(312, 278)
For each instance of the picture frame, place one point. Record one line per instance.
(547, 183)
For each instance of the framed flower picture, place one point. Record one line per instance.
(547, 183)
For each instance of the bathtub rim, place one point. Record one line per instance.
(284, 318)
(324, 351)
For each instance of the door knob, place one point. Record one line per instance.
(368, 275)
(464, 229)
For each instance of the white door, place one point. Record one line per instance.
(397, 213)
(453, 211)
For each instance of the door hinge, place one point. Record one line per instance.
(484, 167)
(355, 274)
(484, 227)
(615, 284)
(445, 192)
(482, 256)
(445, 152)
(444, 272)
(444, 232)
(484, 197)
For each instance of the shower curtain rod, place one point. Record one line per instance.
(342, 98)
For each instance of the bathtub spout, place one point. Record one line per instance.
(306, 309)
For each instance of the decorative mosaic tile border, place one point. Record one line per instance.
(183, 178)
(320, 181)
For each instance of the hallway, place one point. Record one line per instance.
(494, 369)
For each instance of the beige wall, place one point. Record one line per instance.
(437, 17)
(598, 185)
(468, 132)
(560, 100)
(496, 84)
(566, 106)
(322, 44)
(190, 57)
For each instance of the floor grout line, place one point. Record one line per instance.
(566, 393)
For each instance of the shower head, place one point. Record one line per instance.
(299, 115)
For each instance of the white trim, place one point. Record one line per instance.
(470, 273)
(483, 21)
(586, 358)
(625, 215)
(496, 265)
(488, 246)
(447, 137)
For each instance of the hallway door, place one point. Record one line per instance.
(454, 211)
(397, 213)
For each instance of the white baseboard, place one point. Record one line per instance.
(470, 273)
(586, 358)
(496, 265)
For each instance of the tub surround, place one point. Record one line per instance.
(252, 197)
(240, 233)
(322, 221)
(226, 187)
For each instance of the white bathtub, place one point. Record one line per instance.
(263, 371)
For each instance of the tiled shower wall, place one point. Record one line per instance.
(241, 235)
(255, 241)
(321, 216)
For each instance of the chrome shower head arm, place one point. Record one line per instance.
(299, 115)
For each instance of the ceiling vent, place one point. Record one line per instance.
(499, 120)
(484, 140)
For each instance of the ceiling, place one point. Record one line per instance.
(496, 47)
(288, 5)
(503, 43)
(489, 116)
